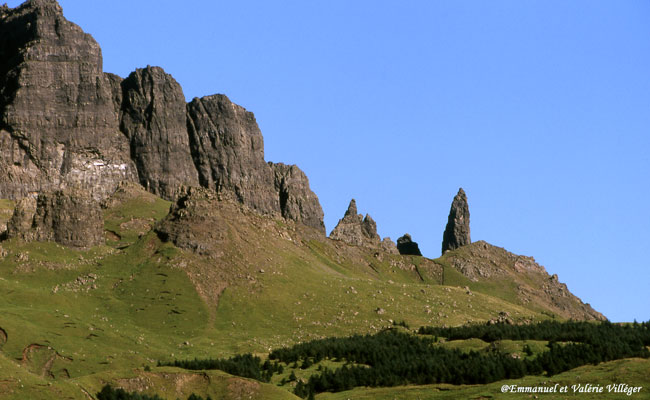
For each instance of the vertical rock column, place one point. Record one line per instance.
(457, 230)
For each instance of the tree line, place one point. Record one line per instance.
(392, 357)
(244, 365)
(568, 331)
(110, 393)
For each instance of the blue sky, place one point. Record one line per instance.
(540, 110)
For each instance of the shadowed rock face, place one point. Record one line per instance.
(69, 217)
(66, 123)
(297, 201)
(58, 124)
(407, 247)
(154, 120)
(457, 230)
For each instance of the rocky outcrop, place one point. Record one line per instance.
(65, 123)
(526, 280)
(356, 230)
(154, 120)
(194, 222)
(22, 219)
(389, 246)
(407, 247)
(297, 201)
(58, 125)
(69, 217)
(457, 230)
(228, 151)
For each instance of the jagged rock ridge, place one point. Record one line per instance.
(457, 230)
(66, 123)
(357, 230)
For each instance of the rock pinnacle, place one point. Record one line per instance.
(457, 230)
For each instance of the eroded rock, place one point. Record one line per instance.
(69, 217)
(355, 229)
(457, 230)
(194, 222)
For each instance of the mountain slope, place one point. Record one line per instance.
(236, 281)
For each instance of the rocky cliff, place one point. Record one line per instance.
(297, 201)
(69, 217)
(58, 125)
(153, 117)
(66, 123)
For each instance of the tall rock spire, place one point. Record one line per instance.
(457, 230)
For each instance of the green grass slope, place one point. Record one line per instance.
(74, 320)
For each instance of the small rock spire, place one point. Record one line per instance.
(356, 230)
(352, 209)
(457, 230)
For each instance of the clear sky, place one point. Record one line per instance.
(540, 110)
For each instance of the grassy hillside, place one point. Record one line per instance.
(74, 320)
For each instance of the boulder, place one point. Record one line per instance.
(389, 246)
(407, 247)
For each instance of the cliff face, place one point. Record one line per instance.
(154, 120)
(58, 125)
(65, 123)
(297, 201)
(228, 150)
(69, 217)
